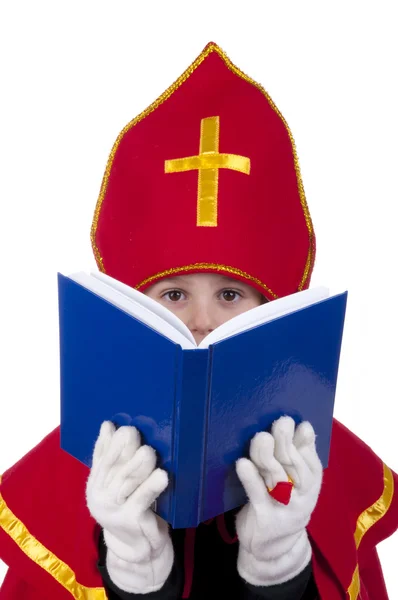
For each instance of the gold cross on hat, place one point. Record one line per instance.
(207, 162)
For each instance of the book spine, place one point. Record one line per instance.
(190, 431)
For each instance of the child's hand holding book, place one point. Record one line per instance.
(121, 488)
(274, 545)
(273, 541)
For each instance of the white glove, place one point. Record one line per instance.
(122, 486)
(273, 542)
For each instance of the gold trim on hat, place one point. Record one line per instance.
(207, 267)
(208, 50)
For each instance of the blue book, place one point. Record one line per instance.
(126, 358)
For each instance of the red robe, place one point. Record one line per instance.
(49, 540)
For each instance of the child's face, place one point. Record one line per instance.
(203, 301)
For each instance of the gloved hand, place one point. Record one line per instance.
(273, 541)
(121, 488)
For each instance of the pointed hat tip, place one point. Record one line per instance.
(212, 45)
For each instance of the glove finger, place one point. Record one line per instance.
(304, 440)
(103, 441)
(146, 494)
(288, 455)
(124, 444)
(135, 472)
(252, 482)
(304, 435)
(262, 454)
(132, 443)
(283, 431)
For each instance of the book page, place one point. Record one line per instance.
(147, 302)
(264, 313)
(136, 309)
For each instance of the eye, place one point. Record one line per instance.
(230, 295)
(174, 295)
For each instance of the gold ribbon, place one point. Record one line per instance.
(207, 162)
(45, 559)
(367, 519)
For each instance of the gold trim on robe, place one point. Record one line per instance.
(45, 559)
(367, 519)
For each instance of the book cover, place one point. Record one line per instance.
(199, 408)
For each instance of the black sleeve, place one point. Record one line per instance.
(171, 590)
(302, 587)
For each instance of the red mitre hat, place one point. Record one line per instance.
(206, 179)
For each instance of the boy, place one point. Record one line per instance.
(124, 482)
(205, 183)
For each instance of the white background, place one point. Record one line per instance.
(74, 73)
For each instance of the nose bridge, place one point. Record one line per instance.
(201, 314)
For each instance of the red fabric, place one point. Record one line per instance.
(189, 559)
(46, 491)
(146, 222)
(372, 578)
(352, 482)
(223, 531)
(14, 587)
(282, 492)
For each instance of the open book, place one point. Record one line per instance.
(127, 358)
(158, 317)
